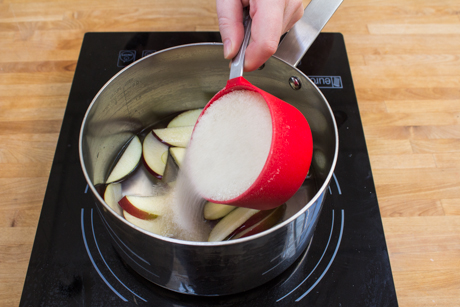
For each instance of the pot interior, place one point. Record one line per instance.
(163, 84)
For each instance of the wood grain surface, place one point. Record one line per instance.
(405, 62)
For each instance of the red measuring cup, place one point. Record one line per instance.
(291, 149)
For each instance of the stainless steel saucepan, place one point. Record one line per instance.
(183, 78)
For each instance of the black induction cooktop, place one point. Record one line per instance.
(74, 264)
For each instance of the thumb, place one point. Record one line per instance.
(230, 15)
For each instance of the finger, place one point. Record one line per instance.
(267, 27)
(230, 16)
(292, 13)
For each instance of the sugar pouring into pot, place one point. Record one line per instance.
(252, 135)
(248, 149)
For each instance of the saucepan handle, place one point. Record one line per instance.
(297, 41)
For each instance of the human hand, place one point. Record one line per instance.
(270, 19)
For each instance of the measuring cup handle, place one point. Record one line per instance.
(237, 65)
(237, 82)
(297, 41)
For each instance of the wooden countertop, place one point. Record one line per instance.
(405, 61)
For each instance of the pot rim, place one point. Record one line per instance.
(320, 191)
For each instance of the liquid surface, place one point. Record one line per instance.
(183, 218)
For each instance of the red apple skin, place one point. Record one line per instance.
(126, 205)
(259, 222)
(151, 171)
(159, 139)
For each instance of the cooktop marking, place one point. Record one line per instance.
(103, 259)
(121, 248)
(337, 183)
(92, 260)
(126, 57)
(330, 262)
(104, 222)
(334, 82)
(324, 252)
(110, 230)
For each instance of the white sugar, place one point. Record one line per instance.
(229, 148)
(230, 145)
(187, 222)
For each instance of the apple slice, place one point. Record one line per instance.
(128, 161)
(112, 195)
(154, 226)
(187, 118)
(178, 154)
(259, 222)
(155, 155)
(230, 222)
(144, 207)
(175, 136)
(213, 211)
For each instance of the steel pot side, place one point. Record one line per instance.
(183, 78)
